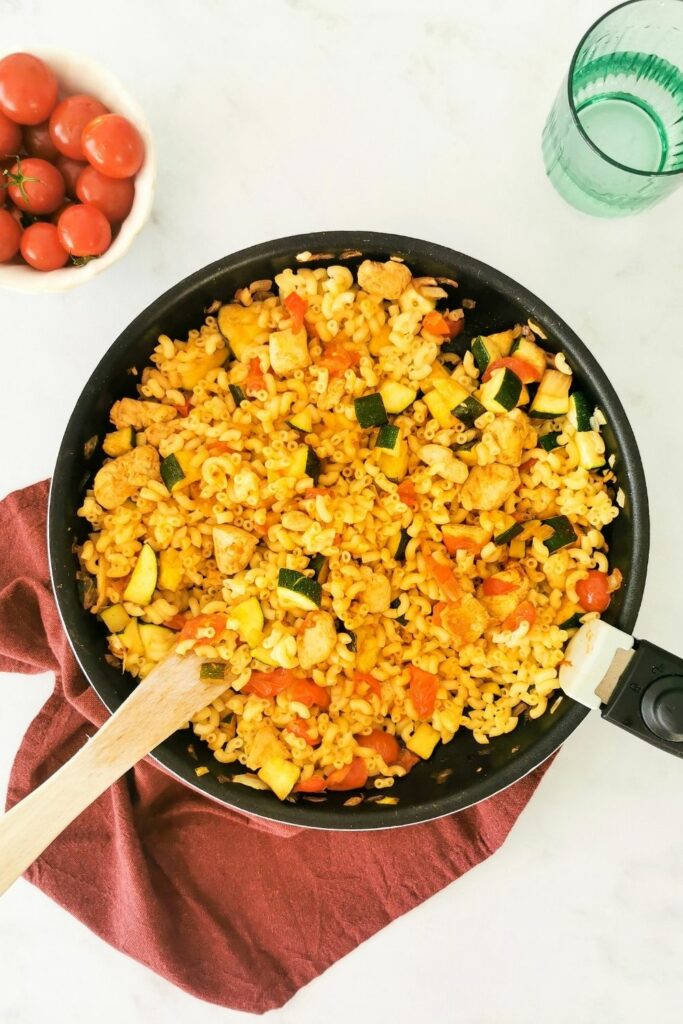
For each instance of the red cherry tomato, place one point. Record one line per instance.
(35, 186)
(70, 170)
(68, 120)
(10, 136)
(383, 743)
(40, 247)
(37, 141)
(593, 592)
(83, 230)
(525, 371)
(353, 776)
(524, 612)
(305, 691)
(423, 687)
(113, 146)
(54, 217)
(28, 88)
(113, 196)
(10, 236)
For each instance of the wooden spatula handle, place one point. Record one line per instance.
(158, 706)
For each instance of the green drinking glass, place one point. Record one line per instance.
(613, 143)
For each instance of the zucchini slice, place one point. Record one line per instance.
(552, 398)
(573, 622)
(389, 439)
(143, 580)
(562, 535)
(502, 391)
(212, 670)
(507, 535)
(115, 618)
(454, 394)
(281, 775)
(319, 565)
(238, 396)
(397, 397)
(530, 353)
(504, 340)
(400, 619)
(370, 410)
(341, 628)
(401, 545)
(395, 466)
(119, 442)
(469, 410)
(485, 351)
(130, 638)
(157, 641)
(170, 569)
(247, 618)
(465, 452)
(301, 591)
(591, 448)
(302, 421)
(580, 411)
(171, 471)
(305, 462)
(549, 442)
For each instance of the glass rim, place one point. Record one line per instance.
(572, 108)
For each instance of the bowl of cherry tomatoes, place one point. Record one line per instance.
(77, 170)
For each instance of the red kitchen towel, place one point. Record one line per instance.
(233, 912)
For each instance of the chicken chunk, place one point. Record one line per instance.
(384, 280)
(443, 462)
(489, 487)
(233, 548)
(317, 640)
(377, 594)
(508, 436)
(119, 479)
(465, 620)
(155, 433)
(289, 351)
(132, 412)
(499, 606)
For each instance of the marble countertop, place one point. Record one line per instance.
(279, 117)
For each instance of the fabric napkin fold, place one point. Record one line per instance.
(228, 907)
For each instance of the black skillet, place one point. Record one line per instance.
(460, 773)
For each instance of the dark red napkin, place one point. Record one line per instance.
(234, 912)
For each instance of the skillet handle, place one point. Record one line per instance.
(633, 683)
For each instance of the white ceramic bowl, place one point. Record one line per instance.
(80, 74)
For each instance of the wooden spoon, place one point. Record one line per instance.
(160, 704)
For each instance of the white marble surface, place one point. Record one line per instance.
(278, 117)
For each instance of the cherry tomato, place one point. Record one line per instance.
(353, 776)
(383, 743)
(423, 687)
(28, 88)
(302, 729)
(593, 591)
(269, 684)
(84, 231)
(524, 612)
(113, 146)
(494, 587)
(525, 371)
(407, 759)
(37, 141)
(306, 692)
(10, 136)
(407, 493)
(54, 217)
(35, 186)
(10, 236)
(70, 170)
(113, 196)
(40, 247)
(68, 120)
(374, 685)
(315, 784)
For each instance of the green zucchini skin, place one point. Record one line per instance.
(370, 410)
(563, 533)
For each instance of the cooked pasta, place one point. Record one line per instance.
(379, 534)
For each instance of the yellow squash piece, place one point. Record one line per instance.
(131, 639)
(438, 407)
(423, 741)
(170, 569)
(119, 442)
(247, 618)
(143, 581)
(115, 618)
(157, 641)
(192, 373)
(281, 775)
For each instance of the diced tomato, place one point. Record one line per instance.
(383, 743)
(528, 465)
(434, 323)
(192, 627)
(444, 576)
(423, 687)
(296, 306)
(313, 491)
(338, 358)
(407, 759)
(269, 684)
(456, 327)
(353, 776)
(407, 493)
(525, 371)
(593, 591)
(184, 410)
(524, 612)
(255, 380)
(370, 681)
(218, 447)
(453, 544)
(437, 611)
(316, 784)
(494, 587)
(300, 727)
(177, 622)
(305, 691)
